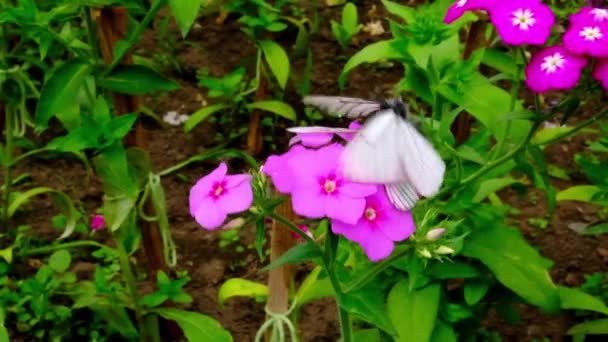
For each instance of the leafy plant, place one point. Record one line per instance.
(348, 27)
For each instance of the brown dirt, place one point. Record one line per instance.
(221, 48)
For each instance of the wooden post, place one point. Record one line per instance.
(279, 279)
(461, 128)
(254, 133)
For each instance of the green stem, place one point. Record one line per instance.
(574, 130)
(369, 275)
(346, 328)
(66, 245)
(129, 278)
(91, 34)
(8, 155)
(514, 95)
(211, 154)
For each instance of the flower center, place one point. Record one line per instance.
(591, 33)
(460, 3)
(599, 14)
(523, 19)
(218, 189)
(370, 214)
(329, 186)
(553, 62)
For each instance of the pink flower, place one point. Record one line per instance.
(306, 231)
(98, 222)
(590, 15)
(590, 38)
(317, 136)
(523, 21)
(600, 72)
(320, 189)
(459, 7)
(553, 68)
(278, 169)
(378, 227)
(216, 195)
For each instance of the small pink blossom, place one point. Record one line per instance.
(378, 227)
(216, 195)
(98, 222)
(590, 15)
(588, 38)
(523, 21)
(317, 136)
(600, 72)
(460, 6)
(553, 68)
(303, 228)
(320, 190)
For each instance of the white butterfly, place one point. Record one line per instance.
(387, 150)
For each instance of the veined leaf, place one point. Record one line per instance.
(185, 12)
(136, 80)
(375, 52)
(274, 106)
(197, 327)
(201, 115)
(238, 287)
(277, 60)
(414, 311)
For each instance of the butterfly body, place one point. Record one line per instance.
(387, 150)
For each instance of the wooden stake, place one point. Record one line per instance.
(280, 278)
(254, 134)
(475, 39)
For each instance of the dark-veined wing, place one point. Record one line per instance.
(340, 106)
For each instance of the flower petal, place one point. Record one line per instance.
(377, 247)
(354, 232)
(201, 189)
(398, 226)
(236, 199)
(236, 180)
(344, 208)
(356, 190)
(209, 215)
(308, 202)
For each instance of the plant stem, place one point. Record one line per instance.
(129, 279)
(73, 244)
(8, 155)
(514, 94)
(575, 129)
(368, 275)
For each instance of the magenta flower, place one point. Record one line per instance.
(378, 227)
(590, 16)
(600, 72)
(303, 228)
(320, 190)
(553, 68)
(591, 39)
(459, 7)
(278, 169)
(98, 222)
(216, 195)
(317, 136)
(522, 21)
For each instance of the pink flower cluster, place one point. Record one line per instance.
(362, 213)
(530, 21)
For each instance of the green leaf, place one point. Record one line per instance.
(474, 290)
(375, 52)
(572, 298)
(597, 327)
(60, 90)
(201, 115)
(490, 186)
(185, 12)
(274, 106)
(69, 116)
(598, 229)
(112, 166)
(197, 327)
(501, 61)
(368, 304)
(581, 193)
(365, 335)
(350, 18)
(457, 269)
(546, 134)
(489, 104)
(238, 287)
(413, 312)
(515, 263)
(60, 261)
(443, 333)
(136, 80)
(118, 127)
(407, 13)
(301, 252)
(313, 288)
(277, 60)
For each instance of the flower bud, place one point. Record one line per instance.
(444, 250)
(98, 222)
(425, 253)
(434, 234)
(234, 223)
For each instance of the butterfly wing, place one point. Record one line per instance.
(422, 163)
(403, 196)
(373, 154)
(320, 129)
(342, 106)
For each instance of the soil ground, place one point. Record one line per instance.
(221, 48)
